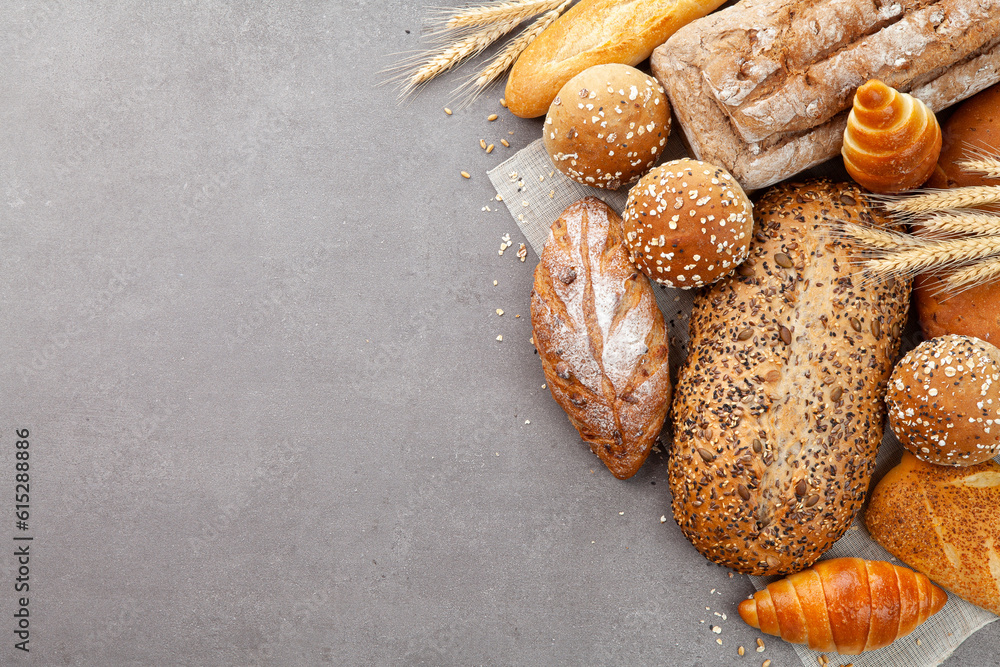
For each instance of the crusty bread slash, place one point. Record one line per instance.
(778, 407)
(601, 337)
(943, 521)
(763, 87)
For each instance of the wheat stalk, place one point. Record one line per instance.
(930, 200)
(989, 167)
(483, 15)
(874, 237)
(510, 53)
(425, 66)
(960, 222)
(970, 276)
(936, 255)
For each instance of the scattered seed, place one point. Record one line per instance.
(767, 663)
(503, 103)
(482, 144)
(760, 645)
(505, 143)
(465, 174)
(489, 149)
(447, 111)
(492, 117)
(741, 651)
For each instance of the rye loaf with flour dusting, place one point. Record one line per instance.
(601, 337)
(778, 408)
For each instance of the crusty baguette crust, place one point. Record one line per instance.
(943, 521)
(601, 337)
(757, 90)
(778, 407)
(594, 32)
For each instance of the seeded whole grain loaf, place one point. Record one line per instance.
(763, 87)
(778, 408)
(601, 337)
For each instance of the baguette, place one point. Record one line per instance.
(763, 88)
(601, 337)
(593, 32)
(943, 521)
(778, 407)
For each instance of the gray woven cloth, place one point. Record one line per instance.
(536, 193)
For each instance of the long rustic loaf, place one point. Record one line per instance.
(601, 337)
(594, 32)
(944, 522)
(763, 87)
(778, 407)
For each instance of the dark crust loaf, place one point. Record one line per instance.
(778, 408)
(763, 87)
(601, 337)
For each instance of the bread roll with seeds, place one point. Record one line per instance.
(601, 337)
(778, 407)
(944, 401)
(607, 126)
(687, 223)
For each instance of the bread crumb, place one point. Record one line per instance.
(500, 311)
(760, 645)
(500, 338)
(527, 421)
(663, 518)
(494, 283)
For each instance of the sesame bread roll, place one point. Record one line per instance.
(778, 407)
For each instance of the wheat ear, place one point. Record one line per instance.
(874, 237)
(936, 256)
(989, 167)
(970, 276)
(428, 66)
(510, 53)
(960, 222)
(931, 200)
(483, 15)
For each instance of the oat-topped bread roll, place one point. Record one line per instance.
(763, 88)
(778, 407)
(601, 337)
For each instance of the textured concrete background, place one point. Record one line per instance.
(248, 317)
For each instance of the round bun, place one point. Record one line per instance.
(607, 126)
(944, 401)
(687, 223)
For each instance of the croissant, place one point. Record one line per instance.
(845, 605)
(892, 140)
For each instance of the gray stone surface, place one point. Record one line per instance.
(248, 318)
